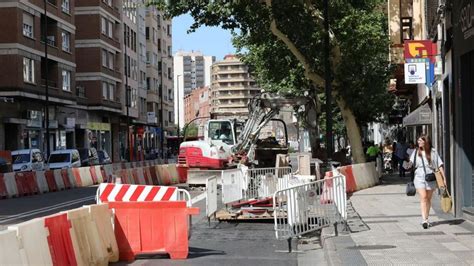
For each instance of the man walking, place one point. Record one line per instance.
(401, 154)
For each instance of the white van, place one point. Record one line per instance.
(64, 159)
(27, 160)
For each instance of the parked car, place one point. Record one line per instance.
(88, 156)
(64, 159)
(103, 157)
(27, 160)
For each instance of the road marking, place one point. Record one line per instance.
(45, 209)
(198, 198)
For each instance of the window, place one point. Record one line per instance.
(66, 80)
(66, 37)
(111, 91)
(28, 23)
(104, 58)
(168, 30)
(134, 98)
(110, 29)
(104, 25)
(65, 6)
(104, 90)
(148, 59)
(111, 60)
(147, 33)
(28, 70)
(107, 2)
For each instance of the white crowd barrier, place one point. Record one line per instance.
(10, 184)
(211, 196)
(41, 181)
(10, 248)
(59, 179)
(309, 207)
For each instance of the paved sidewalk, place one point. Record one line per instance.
(385, 229)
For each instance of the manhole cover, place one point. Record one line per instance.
(371, 247)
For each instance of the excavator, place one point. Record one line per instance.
(228, 142)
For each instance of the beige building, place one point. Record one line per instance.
(231, 88)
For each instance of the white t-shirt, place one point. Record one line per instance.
(436, 162)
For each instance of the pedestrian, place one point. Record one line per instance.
(372, 152)
(401, 154)
(425, 160)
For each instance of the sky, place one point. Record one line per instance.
(211, 41)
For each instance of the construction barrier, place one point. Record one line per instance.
(41, 182)
(211, 196)
(167, 220)
(351, 185)
(85, 176)
(108, 192)
(232, 185)
(304, 164)
(59, 240)
(76, 173)
(102, 216)
(10, 184)
(33, 238)
(199, 177)
(10, 248)
(309, 207)
(58, 177)
(26, 183)
(68, 178)
(153, 175)
(173, 173)
(88, 248)
(183, 173)
(263, 182)
(49, 175)
(3, 188)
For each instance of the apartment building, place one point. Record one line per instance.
(191, 70)
(26, 71)
(158, 77)
(196, 104)
(231, 89)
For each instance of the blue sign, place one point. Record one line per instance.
(430, 76)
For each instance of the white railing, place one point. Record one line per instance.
(309, 207)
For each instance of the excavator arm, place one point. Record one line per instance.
(261, 110)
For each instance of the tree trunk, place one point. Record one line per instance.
(353, 131)
(313, 137)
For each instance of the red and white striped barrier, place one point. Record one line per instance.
(132, 193)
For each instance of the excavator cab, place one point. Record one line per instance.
(221, 130)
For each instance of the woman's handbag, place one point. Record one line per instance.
(446, 201)
(439, 179)
(410, 190)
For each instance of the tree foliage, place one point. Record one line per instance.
(282, 42)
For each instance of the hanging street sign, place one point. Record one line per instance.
(415, 73)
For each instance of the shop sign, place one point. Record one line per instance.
(420, 49)
(33, 123)
(70, 122)
(467, 20)
(53, 123)
(98, 126)
(415, 73)
(151, 117)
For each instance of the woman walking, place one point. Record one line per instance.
(425, 161)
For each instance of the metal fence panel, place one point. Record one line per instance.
(309, 207)
(232, 185)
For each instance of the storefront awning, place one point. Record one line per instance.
(421, 116)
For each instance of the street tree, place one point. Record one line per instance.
(283, 42)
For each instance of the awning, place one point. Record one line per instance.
(421, 116)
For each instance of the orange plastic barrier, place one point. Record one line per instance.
(153, 175)
(59, 240)
(182, 172)
(93, 175)
(152, 227)
(26, 183)
(65, 177)
(3, 188)
(350, 180)
(50, 180)
(77, 176)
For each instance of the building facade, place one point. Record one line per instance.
(191, 70)
(231, 89)
(196, 104)
(27, 72)
(443, 107)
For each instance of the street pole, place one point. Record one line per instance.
(177, 96)
(162, 112)
(128, 100)
(328, 80)
(45, 29)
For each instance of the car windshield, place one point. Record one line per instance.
(59, 158)
(21, 158)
